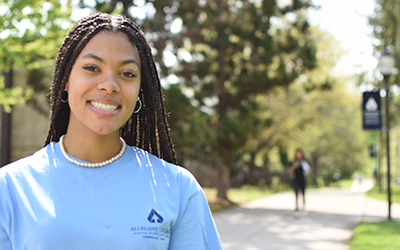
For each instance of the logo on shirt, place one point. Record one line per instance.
(154, 216)
(154, 231)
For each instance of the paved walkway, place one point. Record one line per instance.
(271, 224)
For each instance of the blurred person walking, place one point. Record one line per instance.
(300, 168)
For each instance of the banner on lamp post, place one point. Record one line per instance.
(372, 114)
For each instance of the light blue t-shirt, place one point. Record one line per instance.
(137, 202)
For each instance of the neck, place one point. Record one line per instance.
(92, 147)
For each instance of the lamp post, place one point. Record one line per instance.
(386, 66)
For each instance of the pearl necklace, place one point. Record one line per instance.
(91, 165)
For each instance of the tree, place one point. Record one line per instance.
(333, 138)
(186, 122)
(386, 29)
(32, 31)
(227, 63)
(318, 113)
(225, 52)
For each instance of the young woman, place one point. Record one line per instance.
(106, 178)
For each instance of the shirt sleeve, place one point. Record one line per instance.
(195, 229)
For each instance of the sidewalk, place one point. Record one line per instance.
(271, 224)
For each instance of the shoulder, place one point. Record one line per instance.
(26, 165)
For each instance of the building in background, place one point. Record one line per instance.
(29, 123)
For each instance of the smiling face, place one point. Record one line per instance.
(103, 84)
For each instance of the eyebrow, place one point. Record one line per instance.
(130, 61)
(90, 55)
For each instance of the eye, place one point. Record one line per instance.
(129, 74)
(91, 68)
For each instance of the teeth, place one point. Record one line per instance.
(105, 107)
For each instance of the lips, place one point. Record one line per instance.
(104, 107)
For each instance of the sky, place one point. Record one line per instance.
(347, 20)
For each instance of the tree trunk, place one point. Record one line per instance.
(268, 176)
(314, 168)
(285, 179)
(223, 183)
(252, 176)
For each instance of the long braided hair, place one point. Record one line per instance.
(147, 129)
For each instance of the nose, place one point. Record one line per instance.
(109, 84)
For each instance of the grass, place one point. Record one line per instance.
(382, 195)
(237, 196)
(383, 235)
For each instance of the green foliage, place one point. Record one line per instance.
(186, 122)
(335, 139)
(386, 29)
(13, 96)
(227, 63)
(323, 121)
(373, 137)
(325, 124)
(382, 194)
(376, 235)
(32, 31)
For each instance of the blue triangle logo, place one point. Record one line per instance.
(154, 216)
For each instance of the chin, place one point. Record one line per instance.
(106, 131)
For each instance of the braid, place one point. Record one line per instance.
(147, 129)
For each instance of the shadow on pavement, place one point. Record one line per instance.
(262, 228)
(271, 223)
